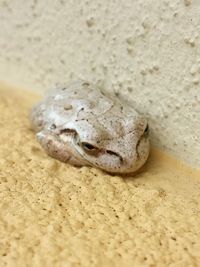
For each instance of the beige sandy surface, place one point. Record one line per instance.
(53, 214)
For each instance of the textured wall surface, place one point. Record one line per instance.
(55, 215)
(148, 51)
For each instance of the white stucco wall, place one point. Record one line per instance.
(147, 50)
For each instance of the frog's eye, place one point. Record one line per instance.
(68, 131)
(89, 148)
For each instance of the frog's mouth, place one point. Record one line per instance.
(142, 149)
(140, 143)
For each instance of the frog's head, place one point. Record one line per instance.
(114, 144)
(88, 127)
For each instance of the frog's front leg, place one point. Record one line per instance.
(55, 148)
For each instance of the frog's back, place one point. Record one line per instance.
(76, 89)
(66, 102)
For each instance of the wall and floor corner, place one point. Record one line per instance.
(148, 51)
(54, 214)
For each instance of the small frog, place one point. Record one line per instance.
(82, 125)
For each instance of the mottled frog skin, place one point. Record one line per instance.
(82, 125)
